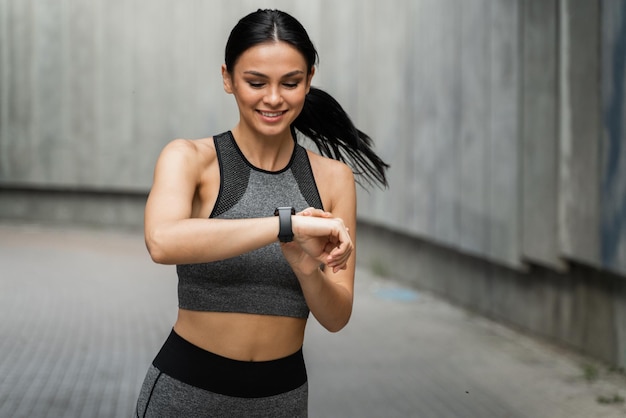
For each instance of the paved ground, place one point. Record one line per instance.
(83, 312)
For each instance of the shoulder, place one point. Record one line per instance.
(189, 151)
(334, 179)
(328, 168)
(189, 147)
(186, 159)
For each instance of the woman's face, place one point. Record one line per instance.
(270, 82)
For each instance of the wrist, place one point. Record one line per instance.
(309, 272)
(285, 230)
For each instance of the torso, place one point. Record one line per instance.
(248, 337)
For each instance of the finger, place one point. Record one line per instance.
(336, 269)
(339, 256)
(305, 212)
(343, 243)
(320, 213)
(340, 266)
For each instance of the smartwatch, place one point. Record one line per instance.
(285, 233)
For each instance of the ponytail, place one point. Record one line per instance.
(324, 121)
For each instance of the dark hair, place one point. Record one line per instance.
(322, 119)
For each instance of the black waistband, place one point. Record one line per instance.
(195, 366)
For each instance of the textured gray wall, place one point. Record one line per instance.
(447, 120)
(539, 134)
(613, 169)
(503, 143)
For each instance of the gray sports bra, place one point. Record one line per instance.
(260, 281)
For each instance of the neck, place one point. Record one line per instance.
(270, 153)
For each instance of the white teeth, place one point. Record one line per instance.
(271, 115)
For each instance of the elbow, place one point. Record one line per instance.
(336, 321)
(339, 324)
(156, 249)
(157, 255)
(334, 328)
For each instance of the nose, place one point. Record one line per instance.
(273, 97)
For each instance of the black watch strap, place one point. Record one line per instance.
(285, 233)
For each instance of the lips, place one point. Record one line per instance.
(272, 114)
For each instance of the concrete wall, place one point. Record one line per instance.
(489, 112)
(613, 168)
(448, 123)
(503, 120)
(583, 309)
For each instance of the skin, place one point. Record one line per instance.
(269, 83)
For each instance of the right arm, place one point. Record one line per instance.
(172, 235)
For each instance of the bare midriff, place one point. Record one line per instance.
(239, 336)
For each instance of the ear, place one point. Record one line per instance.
(309, 79)
(227, 79)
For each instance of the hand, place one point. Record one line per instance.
(310, 211)
(318, 239)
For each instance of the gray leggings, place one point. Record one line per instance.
(186, 381)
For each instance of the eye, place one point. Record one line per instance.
(256, 84)
(290, 85)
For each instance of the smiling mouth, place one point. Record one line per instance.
(272, 114)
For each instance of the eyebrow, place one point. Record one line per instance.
(289, 74)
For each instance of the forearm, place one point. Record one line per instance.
(329, 302)
(203, 240)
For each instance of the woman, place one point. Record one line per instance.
(261, 231)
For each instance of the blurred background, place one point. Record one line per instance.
(504, 122)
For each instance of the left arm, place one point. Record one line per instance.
(329, 293)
